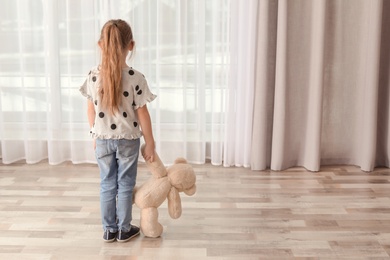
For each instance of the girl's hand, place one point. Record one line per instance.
(148, 152)
(94, 144)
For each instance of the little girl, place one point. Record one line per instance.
(117, 97)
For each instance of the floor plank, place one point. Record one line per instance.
(52, 212)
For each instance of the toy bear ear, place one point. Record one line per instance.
(191, 191)
(180, 160)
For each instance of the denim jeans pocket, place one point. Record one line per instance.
(101, 148)
(128, 148)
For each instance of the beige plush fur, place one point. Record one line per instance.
(165, 183)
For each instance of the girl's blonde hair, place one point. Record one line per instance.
(115, 39)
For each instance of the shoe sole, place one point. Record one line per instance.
(125, 240)
(109, 241)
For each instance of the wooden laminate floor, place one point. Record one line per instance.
(52, 212)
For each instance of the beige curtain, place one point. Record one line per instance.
(321, 91)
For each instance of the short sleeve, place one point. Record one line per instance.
(142, 94)
(85, 89)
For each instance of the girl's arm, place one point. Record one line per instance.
(146, 126)
(91, 117)
(91, 113)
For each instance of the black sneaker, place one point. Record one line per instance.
(126, 236)
(109, 236)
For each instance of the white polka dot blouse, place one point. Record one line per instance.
(124, 124)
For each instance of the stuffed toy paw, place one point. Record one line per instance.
(165, 183)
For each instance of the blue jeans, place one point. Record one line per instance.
(117, 160)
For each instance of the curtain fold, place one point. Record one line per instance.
(383, 122)
(264, 87)
(239, 110)
(326, 99)
(369, 86)
(298, 85)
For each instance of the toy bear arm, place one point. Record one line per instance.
(174, 203)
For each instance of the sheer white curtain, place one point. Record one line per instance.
(321, 85)
(238, 139)
(48, 47)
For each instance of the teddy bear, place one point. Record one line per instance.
(165, 183)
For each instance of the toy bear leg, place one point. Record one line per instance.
(150, 226)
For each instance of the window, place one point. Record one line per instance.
(48, 48)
